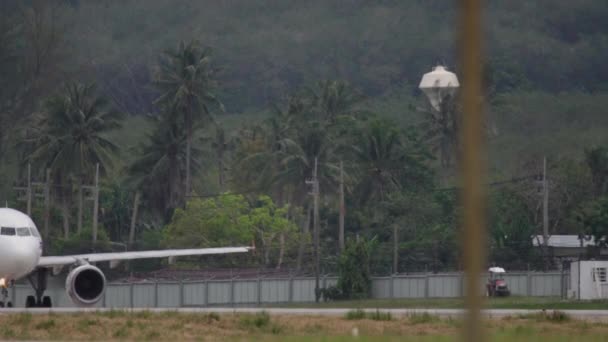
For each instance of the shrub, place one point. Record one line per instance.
(213, 316)
(262, 322)
(555, 316)
(331, 293)
(259, 320)
(354, 279)
(361, 314)
(380, 316)
(355, 314)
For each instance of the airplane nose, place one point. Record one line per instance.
(22, 258)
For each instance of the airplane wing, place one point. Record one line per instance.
(57, 261)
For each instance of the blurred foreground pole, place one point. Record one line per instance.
(472, 166)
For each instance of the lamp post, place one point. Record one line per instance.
(439, 86)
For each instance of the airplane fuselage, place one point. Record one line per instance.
(20, 245)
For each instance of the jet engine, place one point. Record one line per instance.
(85, 284)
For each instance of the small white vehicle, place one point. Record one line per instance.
(497, 286)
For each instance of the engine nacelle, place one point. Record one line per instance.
(85, 285)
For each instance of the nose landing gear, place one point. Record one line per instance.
(39, 285)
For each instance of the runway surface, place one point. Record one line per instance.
(595, 315)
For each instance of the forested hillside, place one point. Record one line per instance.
(181, 101)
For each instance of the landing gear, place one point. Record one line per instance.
(40, 300)
(31, 302)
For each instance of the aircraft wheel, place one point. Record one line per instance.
(30, 302)
(46, 302)
(9, 304)
(1, 304)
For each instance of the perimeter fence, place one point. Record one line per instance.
(276, 290)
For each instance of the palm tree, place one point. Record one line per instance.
(390, 164)
(70, 139)
(335, 100)
(221, 145)
(186, 81)
(379, 155)
(388, 159)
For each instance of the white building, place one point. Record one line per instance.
(588, 280)
(567, 247)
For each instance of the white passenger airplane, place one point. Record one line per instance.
(21, 256)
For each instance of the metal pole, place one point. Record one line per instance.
(29, 189)
(156, 294)
(95, 203)
(134, 218)
(342, 210)
(545, 214)
(181, 294)
(80, 203)
(47, 204)
(316, 227)
(315, 193)
(472, 166)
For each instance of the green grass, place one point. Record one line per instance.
(260, 322)
(554, 316)
(508, 336)
(364, 326)
(514, 302)
(375, 316)
(423, 318)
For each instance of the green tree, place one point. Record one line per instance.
(70, 139)
(597, 161)
(213, 222)
(334, 101)
(161, 165)
(593, 216)
(511, 228)
(270, 222)
(186, 80)
(229, 219)
(354, 276)
(390, 169)
(387, 159)
(221, 146)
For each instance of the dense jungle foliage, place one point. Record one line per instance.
(207, 118)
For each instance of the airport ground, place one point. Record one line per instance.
(506, 319)
(512, 302)
(354, 325)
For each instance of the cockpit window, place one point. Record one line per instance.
(23, 231)
(10, 231)
(35, 232)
